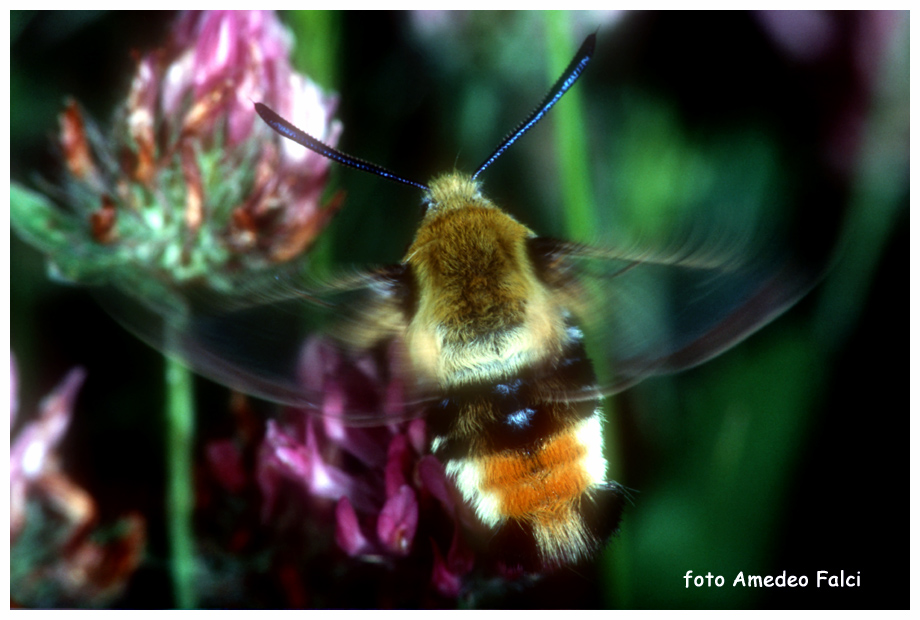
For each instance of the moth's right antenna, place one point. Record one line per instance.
(565, 81)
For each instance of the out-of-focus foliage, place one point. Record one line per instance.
(777, 456)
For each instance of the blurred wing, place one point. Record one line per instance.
(328, 346)
(654, 313)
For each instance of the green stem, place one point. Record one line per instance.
(579, 208)
(317, 54)
(571, 134)
(180, 490)
(317, 49)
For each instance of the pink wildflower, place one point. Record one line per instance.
(60, 555)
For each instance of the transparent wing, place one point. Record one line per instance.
(652, 313)
(332, 347)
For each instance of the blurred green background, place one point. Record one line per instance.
(769, 458)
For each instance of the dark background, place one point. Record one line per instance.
(780, 455)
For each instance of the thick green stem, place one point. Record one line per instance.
(571, 134)
(579, 207)
(180, 490)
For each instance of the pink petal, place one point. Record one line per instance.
(445, 581)
(434, 480)
(323, 479)
(397, 522)
(348, 531)
(418, 435)
(38, 439)
(397, 463)
(269, 467)
(365, 444)
(285, 454)
(32, 448)
(460, 558)
(317, 358)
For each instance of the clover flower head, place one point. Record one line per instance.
(393, 502)
(188, 185)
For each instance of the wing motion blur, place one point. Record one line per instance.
(654, 313)
(291, 339)
(286, 339)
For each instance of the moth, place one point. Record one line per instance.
(485, 325)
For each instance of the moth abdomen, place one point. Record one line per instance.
(532, 468)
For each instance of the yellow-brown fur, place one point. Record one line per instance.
(481, 309)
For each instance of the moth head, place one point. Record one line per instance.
(453, 190)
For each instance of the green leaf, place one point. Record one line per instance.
(40, 222)
(73, 255)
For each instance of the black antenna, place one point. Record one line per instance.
(565, 81)
(301, 137)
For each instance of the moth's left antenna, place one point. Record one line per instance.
(289, 131)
